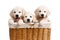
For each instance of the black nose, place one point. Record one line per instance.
(28, 20)
(16, 15)
(42, 15)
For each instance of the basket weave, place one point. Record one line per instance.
(30, 33)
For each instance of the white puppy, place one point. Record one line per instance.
(42, 14)
(16, 15)
(29, 18)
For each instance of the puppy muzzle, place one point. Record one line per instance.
(42, 15)
(17, 16)
(28, 20)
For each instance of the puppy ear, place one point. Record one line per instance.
(23, 12)
(34, 18)
(11, 14)
(48, 13)
(36, 12)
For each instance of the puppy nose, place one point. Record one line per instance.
(28, 20)
(42, 15)
(16, 15)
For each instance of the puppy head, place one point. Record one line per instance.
(42, 12)
(17, 12)
(28, 18)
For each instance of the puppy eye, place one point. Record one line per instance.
(44, 11)
(30, 16)
(14, 11)
(40, 11)
(19, 12)
(25, 16)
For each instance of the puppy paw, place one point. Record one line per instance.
(20, 22)
(15, 23)
(44, 24)
(11, 22)
(41, 23)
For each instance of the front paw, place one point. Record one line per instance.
(20, 22)
(15, 23)
(41, 24)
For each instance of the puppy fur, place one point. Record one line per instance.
(29, 18)
(16, 16)
(42, 14)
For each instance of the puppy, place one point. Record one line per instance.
(42, 14)
(16, 15)
(29, 18)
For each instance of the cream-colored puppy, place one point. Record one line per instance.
(42, 14)
(16, 16)
(29, 18)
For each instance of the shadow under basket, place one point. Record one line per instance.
(19, 33)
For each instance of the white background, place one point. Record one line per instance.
(30, 6)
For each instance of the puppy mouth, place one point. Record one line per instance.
(17, 18)
(42, 17)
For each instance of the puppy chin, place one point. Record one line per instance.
(28, 21)
(42, 17)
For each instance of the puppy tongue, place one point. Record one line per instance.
(42, 17)
(17, 19)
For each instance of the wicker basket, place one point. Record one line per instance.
(20, 33)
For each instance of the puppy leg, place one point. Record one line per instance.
(45, 23)
(12, 23)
